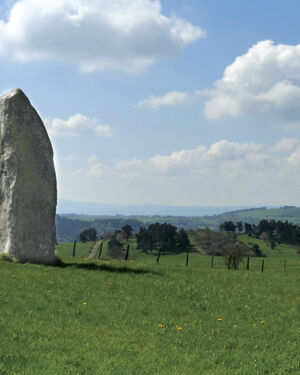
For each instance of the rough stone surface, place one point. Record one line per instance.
(27, 182)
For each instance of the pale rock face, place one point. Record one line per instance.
(27, 182)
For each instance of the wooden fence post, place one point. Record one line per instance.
(74, 248)
(285, 266)
(248, 263)
(212, 262)
(100, 250)
(127, 252)
(157, 260)
(262, 265)
(229, 261)
(187, 258)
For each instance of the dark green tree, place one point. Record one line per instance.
(145, 242)
(183, 242)
(127, 231)
(240, 226)
(248, 229)
(228, 226)
(89, 234)
(256, 250)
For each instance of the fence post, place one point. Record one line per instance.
(229, 261)
(100, 250)
(262, 265)
(127, 252)
(285, 266)
(212, 262)
(74, 248)
(248, 263)
(187, 258)
(157, 260)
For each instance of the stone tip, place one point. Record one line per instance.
(14, 93)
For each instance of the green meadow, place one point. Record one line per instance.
(137, 317)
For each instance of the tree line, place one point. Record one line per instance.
(157, 237)
(270, 230)
(163, 237)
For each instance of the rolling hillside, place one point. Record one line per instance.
(69, 226)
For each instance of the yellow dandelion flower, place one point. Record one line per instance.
(219, 319)
(84, 303)
(179, 328)
(262, 322)
(161, 326)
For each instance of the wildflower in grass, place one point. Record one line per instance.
(49, 291)
(179, 328)
(220, 319)
(161, 326)
(84, 303)
(262, 322)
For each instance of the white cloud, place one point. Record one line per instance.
(127, 35)
(224, 173)
(127, 165)
(263, 82)
(97, 170)
(77, 125)
(285, 145)
(294, 158)
(92, 159)
(169, 99)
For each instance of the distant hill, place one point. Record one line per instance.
(69, 226)
(254, 215)
(101, 209)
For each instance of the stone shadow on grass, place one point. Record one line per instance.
(104, 267)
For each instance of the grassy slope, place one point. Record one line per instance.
(103, 317)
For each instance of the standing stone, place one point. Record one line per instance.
(27, 182)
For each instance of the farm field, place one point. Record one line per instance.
(115, 317)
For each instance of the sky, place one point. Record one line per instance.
(182, 102)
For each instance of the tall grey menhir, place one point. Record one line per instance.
(27, 182)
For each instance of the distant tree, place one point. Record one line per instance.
(145, 242)
(167, 238)
(248, 229)
(163, 237)
(228, 226)
(221, 244)
(89, 234)
(256, 250)
(235, 253)
(183, 242)
(240, 226)
(127, 230)
(115, 247)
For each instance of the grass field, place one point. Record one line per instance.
(136, 317)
